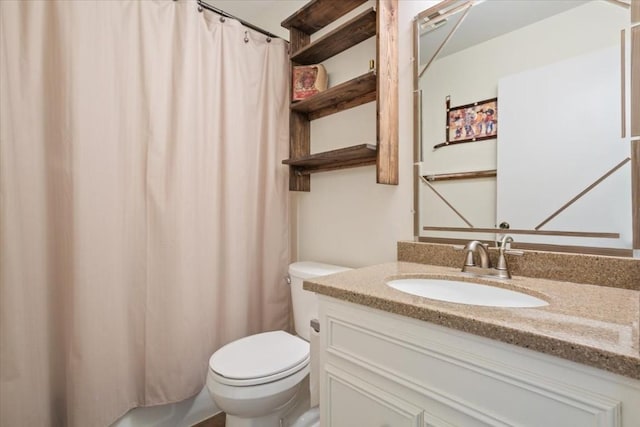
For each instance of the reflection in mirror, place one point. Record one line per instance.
(550, 159)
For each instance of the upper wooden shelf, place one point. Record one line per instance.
(349, 34)
(318, 14)
(346, 95)
(357, 155)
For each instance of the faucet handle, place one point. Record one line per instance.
(468, 259)
(507, 240)
(503, 267)
(470, 248)
(513, 252)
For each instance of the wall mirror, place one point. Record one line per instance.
(522, 124)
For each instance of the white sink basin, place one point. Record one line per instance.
(465, 293)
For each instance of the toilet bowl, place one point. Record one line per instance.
(256, 379)
(262, 379)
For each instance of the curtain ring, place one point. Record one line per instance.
(200, 8)
(246, 36)
(222, 19)
(268, 39)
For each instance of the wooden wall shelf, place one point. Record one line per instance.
(317, 14)
(342, 158)
(347, 95)
(342, 38)
(381, 86)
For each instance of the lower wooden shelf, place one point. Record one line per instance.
(343, 158)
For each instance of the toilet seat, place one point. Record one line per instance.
(259, 359)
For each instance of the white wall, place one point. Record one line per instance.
(347, 218)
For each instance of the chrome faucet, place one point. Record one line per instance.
(475, 246)
(485, 269)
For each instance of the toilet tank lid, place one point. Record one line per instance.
(307, 269)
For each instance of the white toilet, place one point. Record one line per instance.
(260, 379)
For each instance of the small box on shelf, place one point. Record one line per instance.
(308, 80)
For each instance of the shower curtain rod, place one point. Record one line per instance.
(221, 12)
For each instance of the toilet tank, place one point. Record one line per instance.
(305, 303)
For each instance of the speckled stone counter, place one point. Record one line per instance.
(618, 272)
(588, 324)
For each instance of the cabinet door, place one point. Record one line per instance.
(467, 381)
(354, 402)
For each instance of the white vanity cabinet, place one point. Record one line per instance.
(382, 369)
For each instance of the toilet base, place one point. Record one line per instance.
(311, 418)
(287, 413)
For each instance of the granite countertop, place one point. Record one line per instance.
(593, 325)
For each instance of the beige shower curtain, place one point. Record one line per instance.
(143, 206)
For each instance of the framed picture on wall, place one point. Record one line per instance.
(473, 122)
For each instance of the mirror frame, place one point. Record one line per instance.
(634, 6)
